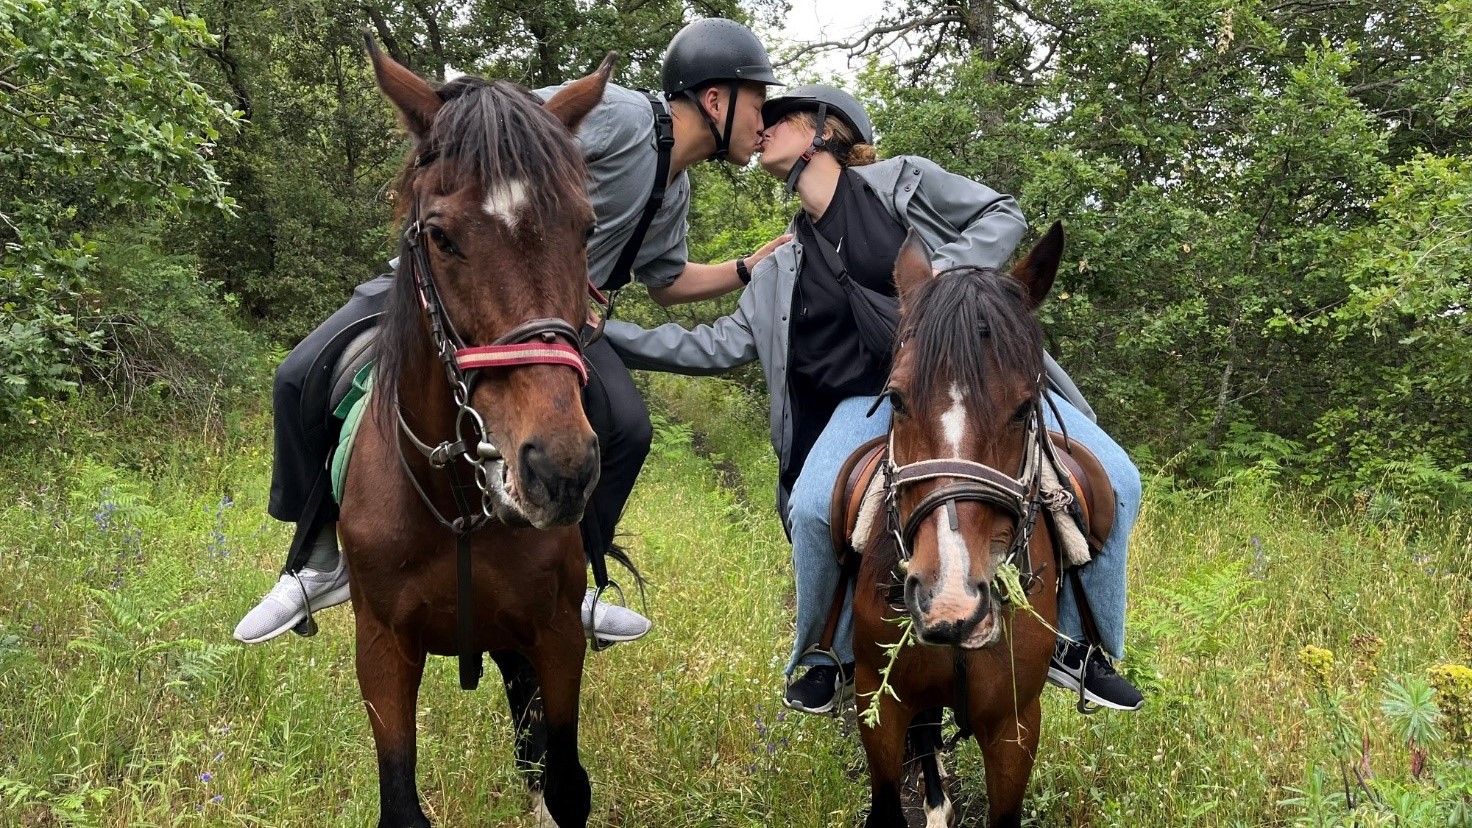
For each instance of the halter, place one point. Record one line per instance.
(534, 342)
(1020, 496)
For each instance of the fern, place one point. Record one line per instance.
(1194, 613)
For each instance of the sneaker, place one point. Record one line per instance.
(1097, 681)
(822, 688)
(285, 606)
(612, 623)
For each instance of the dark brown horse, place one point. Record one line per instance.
(963, 495)
(477, 455)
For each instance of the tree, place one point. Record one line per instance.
(100, 117)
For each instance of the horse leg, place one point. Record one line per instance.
(925, 736)
(885, 748)
(1009, 746)
(389, 672)
(559, 666)
(525, 701)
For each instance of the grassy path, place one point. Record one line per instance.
(123, 702)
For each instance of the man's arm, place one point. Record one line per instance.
(707, 281)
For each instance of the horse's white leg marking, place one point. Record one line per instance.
(954, 596)
(505, 202)
(542, 818)
(940, 817)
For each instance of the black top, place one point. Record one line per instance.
(829, 362)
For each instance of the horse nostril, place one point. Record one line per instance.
(915, 598)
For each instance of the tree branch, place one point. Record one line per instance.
(861, 43)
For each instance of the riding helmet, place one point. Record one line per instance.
(809, 97)
(715, 49)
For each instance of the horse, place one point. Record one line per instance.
(472, 469)
(966, 388)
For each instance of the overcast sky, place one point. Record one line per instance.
(821, 20)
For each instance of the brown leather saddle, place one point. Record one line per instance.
(1085, 474)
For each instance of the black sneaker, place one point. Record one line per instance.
(1101, 685)
(821, 689)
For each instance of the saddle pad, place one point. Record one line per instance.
(350, 411)
(1090, 482)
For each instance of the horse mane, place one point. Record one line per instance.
(490, 132)
(954, 319)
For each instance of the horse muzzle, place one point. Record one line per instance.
(551, 482)
(969, 620)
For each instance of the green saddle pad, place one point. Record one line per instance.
(350, 411)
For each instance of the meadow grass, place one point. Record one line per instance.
(126, 557)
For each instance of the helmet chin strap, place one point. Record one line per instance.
(818, 143)
(723, 139)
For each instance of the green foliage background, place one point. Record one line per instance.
(1267, 206)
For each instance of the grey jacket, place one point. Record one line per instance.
(964, 222)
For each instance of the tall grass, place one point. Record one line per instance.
(126, 560)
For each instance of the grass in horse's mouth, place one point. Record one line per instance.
(1008, 582)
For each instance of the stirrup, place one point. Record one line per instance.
(831, 655)
(307, 627)
(590, 631)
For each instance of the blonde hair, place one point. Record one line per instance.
(845, 146)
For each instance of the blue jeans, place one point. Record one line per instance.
(813, 561)
(817, 572)
(1103, 578)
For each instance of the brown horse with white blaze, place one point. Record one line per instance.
(963, 495)
(477, 455)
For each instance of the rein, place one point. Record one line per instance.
(534, 342)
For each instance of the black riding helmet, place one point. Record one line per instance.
(824, 100)
(711, 50)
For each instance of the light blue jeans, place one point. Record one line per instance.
(1104, 577)
(817, 572)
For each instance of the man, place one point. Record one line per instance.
(714, 80)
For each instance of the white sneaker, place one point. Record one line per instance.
(612, 623)
(286, 604)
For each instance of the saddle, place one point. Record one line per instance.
(856, 479)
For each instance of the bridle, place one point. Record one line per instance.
(534, 342)
(1021, 496)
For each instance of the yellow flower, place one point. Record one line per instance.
(1318, 661)
(1453, 683)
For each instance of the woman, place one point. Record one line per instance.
(824, 375)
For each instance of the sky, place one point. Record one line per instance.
(821, 20)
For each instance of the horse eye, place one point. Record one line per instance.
(1022, 414)
(897, 403)
(441, 240)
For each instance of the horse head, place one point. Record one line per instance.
(492, 284)
(966, 390)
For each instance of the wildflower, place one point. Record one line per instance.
(1453, 683)
(206, 777)
(1318, 661)
(217, 798)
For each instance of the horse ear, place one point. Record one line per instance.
(1039, 267)
(573, 102)
(912, 266)
(416, 101)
